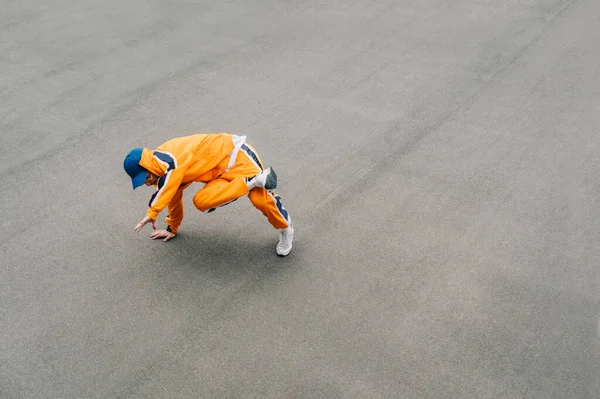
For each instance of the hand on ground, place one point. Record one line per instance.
(167, 235)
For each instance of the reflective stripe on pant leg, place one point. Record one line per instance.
(269, 204)
(280, 207)
(252, 156)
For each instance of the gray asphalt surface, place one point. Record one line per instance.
(439, 160)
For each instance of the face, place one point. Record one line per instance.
(151, 179)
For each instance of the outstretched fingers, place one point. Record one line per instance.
(162, 234)
(142, 222)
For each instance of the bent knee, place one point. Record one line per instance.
(201, 204)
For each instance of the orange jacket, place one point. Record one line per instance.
(181, 161)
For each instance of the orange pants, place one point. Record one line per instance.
(231, 185)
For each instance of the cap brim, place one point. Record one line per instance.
(139, 179)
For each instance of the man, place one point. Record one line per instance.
(230, 169)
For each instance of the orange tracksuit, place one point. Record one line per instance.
(222, 161)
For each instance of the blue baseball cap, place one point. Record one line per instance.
(133, 168)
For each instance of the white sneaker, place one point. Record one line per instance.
(266, 179)
(286, 238)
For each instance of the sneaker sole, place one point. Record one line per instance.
(284, 254)
(271, 183)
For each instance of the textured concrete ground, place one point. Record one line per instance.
(439, 158)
